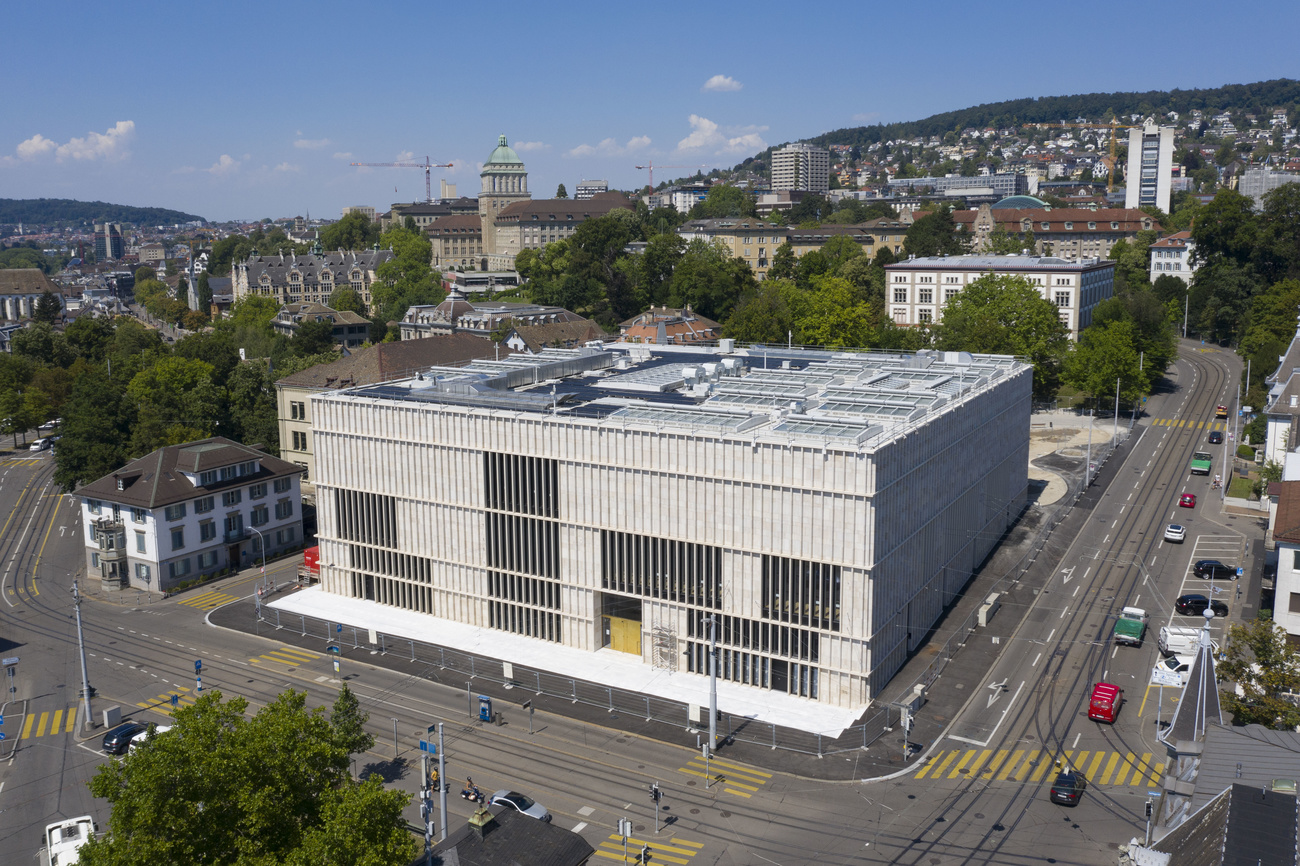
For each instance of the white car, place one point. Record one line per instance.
(1180, 665)
(147, 734)
(520, 803)
(1174, 532)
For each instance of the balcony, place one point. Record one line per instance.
(233, 536)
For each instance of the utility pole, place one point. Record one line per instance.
(442, 784)
(713, 682)
(86, 690)
(1115, 433)
(1087, 466)
(1186, 302)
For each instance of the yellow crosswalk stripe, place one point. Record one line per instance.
(699, 765)
(1010, 765)
(40, 726)
(1102, 766)
(54, 723)
(659, 851)
(741, 768)
(27, 726)
(207, 600)
(738, 793)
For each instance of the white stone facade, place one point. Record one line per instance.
(826, 536)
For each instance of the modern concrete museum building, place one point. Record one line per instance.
(824, 507)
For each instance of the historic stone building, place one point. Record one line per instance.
(295, 279)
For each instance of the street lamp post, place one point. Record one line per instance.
(86, 690)
(261, 540)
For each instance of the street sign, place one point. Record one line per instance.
(198, 665)
(176, 699)
(426, 746)
(336, 666)
(431, 728)
(9, 662)
(1162, 676)
(2, 735)
(1240, 571)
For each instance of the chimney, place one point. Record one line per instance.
(482, 822)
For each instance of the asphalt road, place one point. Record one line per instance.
(979, 796)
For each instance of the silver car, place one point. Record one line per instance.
(520, 803)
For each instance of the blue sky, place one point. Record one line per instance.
(238, 109)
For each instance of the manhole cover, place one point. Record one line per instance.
(640, 827)
(691, 783)
(640, 766)
(979, 817)
(695, 811)
(959, 685)
(725, 814)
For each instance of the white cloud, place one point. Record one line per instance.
(311, 143)
(405, 156)
(343, 154)
(224, 165)
(110, 145)
(721, 84)
(707, 135)
(526, 146)
(610, 147)
(35, 146)
(286, 166)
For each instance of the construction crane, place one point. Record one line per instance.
(651, 167)
(1113, 125)
(426, 165)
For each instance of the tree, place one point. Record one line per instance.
(345, 299)
(783, 263)
(1264, 666)
(1006, 315)
(96, 427)
(934, 234)
(762, 315)
(204, 292)
(1278, 254)
(561, 192)
(348, 722)
(723, 200)
(1106, 355)
(223, 788)
(176, 401)
(313, 338)
(830, 313)
(1225, 231)
(48, 309)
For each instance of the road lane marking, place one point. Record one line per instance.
(1076, 740)
(1034, 663)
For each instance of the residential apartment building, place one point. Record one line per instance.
(1150, 165)
(803, 167)
(917, 289)
(350, 329)
(310, 279)
(1284, 525)
(664, 326)
(188, 511)
(1172, 255)
(751, 240)
(1070, 233)
(108, 242)
(779, 491)
(588, 188)
(380, 363)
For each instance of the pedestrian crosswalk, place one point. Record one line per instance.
(286, 656)
(1190, 425)
(734, 778)
(48, 723)
(1102, 767)
(670, 850)
(207, 600)
(169, 701)
(24, 461)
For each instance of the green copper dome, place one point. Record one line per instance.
(1013, 202)
(503, 158)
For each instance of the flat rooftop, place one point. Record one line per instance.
(851, 400)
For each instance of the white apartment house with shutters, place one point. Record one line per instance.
(825, 507)
(189, 511)
(917, 289)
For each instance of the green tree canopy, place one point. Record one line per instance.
(1106, 355)
(97, 422)
(1006, 315)
(723, 200)
(223, 788)
(1264, 666)
(48, 309)
(345, 299)
(561, 192)
(935, 234)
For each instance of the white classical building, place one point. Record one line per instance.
(917, 289)
(825, 507)
(1172, 256)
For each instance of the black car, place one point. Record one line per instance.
(1216, 437)
(117, 740)
(1068, 788)
(1194, 604)
(1212, 569)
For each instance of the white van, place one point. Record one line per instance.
(40, 445)
(1180, 640)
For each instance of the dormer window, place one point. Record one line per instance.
(1114, 226)
(1092, 225)
(1069, 226)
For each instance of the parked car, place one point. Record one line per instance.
(520, 803)
(117, 740)
(1216, 437)
(1187, 500)
(146, 735)
(1175, 532)
(1194, 604)
(1068, 788)
(1180, 665)
(1212, 569)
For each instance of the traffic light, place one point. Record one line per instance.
(655, 793)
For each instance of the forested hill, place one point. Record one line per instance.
(1259, 98)
(48, 211)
